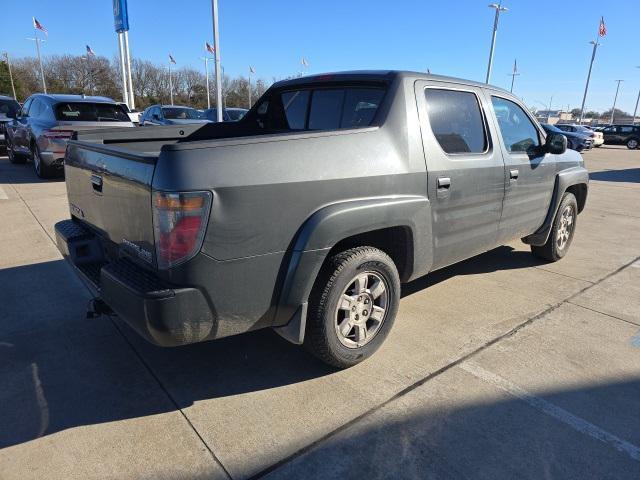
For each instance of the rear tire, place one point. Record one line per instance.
(633, 143)
(352, 306)
(42, 170)
(561, 235)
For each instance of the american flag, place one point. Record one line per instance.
(90, 52)
(602, 30)
(209, 48)
(171, 59)
(251, 70)
(38, 25)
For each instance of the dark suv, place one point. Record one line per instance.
(628, 135)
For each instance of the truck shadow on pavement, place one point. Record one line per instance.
(628, 175)
(59, 371)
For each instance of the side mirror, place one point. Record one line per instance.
(556, 143)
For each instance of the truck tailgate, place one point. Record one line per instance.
(109, 190)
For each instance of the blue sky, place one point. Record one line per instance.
(548, 38)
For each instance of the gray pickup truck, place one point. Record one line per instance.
(308, 214)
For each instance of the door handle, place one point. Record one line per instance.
(96, 182)
(443, 182)
(513, 174)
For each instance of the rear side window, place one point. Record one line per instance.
(518, 131)
(326, 109)
(456, 121)
(90, 112)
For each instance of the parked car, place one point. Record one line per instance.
(308, 214)
(575, 141)
(236, 114)
(171, 115)
(8, 111)
(134, 115)
(628, 135)
(596, 137)
(45, 123)
(212, 115)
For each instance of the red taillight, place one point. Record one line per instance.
(179, 223)
(57, 133)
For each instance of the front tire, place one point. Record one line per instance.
(14, 157)
(633, 143)
(352, 306)
(561, 235)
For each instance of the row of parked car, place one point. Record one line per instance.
(38, 130)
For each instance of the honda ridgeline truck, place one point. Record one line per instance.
(308, 214)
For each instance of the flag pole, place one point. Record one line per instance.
(249, 87)
(13, 87)
(216, 47)
(170, 84)
(44, 84)
(132, 100)
(206, 70)
(514, 74)
(586, 87)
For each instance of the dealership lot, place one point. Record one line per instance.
(499, 367)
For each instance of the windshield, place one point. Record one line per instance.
(90, 112)
(9, 108)
(551, 128)
(180, 113)
(236, 115)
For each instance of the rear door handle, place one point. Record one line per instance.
(96, 182)
(444, 182)
(513, 174)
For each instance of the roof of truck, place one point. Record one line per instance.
(379, 75)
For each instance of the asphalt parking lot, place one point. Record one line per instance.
(499, 367)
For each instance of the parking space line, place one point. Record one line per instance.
(3, 194)
(568, 418)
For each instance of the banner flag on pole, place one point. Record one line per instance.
(515, 67)
(209, 48)
(38, 25)
(90, 51)
(251, 70)
(602, 30)
(172, 60)
(304, 62)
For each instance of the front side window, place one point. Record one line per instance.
(295, 108)
(456, 121)
(518, 132)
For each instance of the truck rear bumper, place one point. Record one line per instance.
(164, 314)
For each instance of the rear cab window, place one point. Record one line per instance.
(322, 108)
(90, 112)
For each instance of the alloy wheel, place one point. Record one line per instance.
(565, 228)
(361, 309)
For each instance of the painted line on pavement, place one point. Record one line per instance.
(3, 194)
(568, 418)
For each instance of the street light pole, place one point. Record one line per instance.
(499, 8)
(549, 109)
(13, 87)
(216, 46)
(123, 68)
(615, 99)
